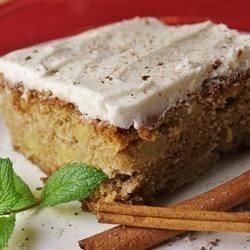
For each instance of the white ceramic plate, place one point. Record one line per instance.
(60, 227)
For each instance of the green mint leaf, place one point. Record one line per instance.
(7, 201)
(8, 195)
(73, 182)
(14, 193)
(26, 199)
(6, 175)
(7, 225)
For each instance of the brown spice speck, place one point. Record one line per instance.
(27, 58)
(109, 78)
(160, 63)
(145, 77)
(39, 188)
(75, 213)
(53, 71)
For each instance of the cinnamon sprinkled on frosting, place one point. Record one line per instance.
(117, 73)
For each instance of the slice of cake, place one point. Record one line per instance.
(151, 105)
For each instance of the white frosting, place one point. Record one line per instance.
(126, 72)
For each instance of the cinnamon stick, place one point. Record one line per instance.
(170, 213)
(175, 224)
(222, 198)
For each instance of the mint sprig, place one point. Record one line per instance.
(72, 182)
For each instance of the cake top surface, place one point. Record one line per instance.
(127, 72)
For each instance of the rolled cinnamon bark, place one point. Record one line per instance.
(175, 224)
(221, 198)
(117, 209)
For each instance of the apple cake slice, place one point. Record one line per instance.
(150, 105)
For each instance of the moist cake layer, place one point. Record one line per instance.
(129, 72)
